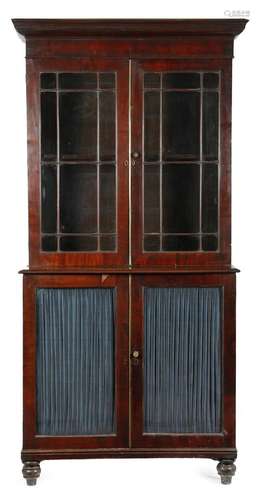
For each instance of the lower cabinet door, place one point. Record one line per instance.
(183, 361)
(75, 361)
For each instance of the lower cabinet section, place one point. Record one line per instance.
(138, 365)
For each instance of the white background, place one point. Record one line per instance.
(153, 478)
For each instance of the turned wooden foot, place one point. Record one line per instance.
(31, 471)
(226, 469)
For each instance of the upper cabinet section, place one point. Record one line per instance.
(129, 133)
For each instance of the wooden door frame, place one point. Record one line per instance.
(225, 439)
(32, 441)
(37, 257)
(180, 259)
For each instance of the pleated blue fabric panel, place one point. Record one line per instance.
(182, 360)
(75, 361)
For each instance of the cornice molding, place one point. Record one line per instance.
(127, 28)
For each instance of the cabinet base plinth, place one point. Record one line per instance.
(225, 468)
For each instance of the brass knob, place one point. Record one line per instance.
(136, 354)
(136, 155)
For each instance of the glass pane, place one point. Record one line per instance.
(78, 243)
(210, 198)
(48, 126)
(78, 81)
(49, 244)
(78, 125)
(152, 199)
(210, 243)
(78, 198)
(181, 197)
(151, 243)
(177, 243)
(49, 198)
(48, 80)
(152, 80)
(181, 80)
(107, 243)
(107, 80)
(107, 126)
(75, 380)
(181, 125)
(107, 199)
(210, 125)
(151, 126)
(86, 195)
(182, 360)
(174, 115)
(210, 80)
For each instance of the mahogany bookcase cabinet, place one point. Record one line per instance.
(129, 298)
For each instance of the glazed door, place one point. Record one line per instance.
(75, 362)
(180, 163)
(183, 361)
(77, 175)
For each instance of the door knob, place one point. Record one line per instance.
(136, 354)
(135, 155)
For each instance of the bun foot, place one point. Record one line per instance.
(226, 469)
(31, 471)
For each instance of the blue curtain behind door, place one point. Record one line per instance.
(182, 360)
(75, 361)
